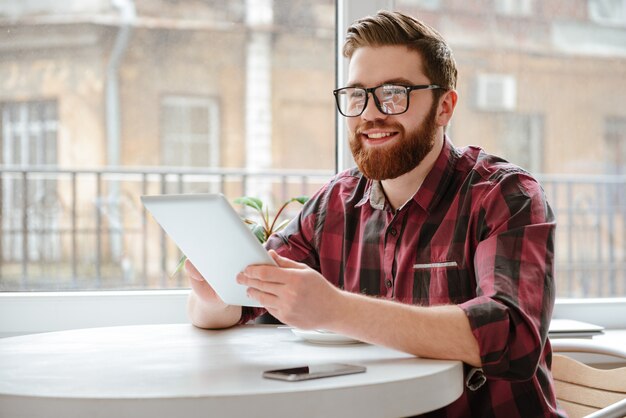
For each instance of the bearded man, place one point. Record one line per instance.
(426, 248)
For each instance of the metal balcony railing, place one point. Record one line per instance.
(86, 229)
(591, 233)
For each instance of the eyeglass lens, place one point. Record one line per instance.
(391, 99)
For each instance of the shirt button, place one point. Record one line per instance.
(388, 283)
(393, 232)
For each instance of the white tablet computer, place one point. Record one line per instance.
(211, 234)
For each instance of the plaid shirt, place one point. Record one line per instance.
(478, 233)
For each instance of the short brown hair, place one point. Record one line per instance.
(394, 28)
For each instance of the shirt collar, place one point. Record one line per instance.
(427, 196)
(374, 194)
(439, 177)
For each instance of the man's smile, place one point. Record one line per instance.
(378, 136)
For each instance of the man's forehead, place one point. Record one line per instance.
(385, 64)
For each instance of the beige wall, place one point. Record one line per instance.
(575, 95)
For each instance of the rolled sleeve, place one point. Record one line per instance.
(515, 288)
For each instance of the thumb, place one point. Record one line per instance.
(285, 262)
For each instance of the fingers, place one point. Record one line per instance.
(192, 272)
(286, 262)
(205, 292)
(276, 274)
(264, 286)
(268, 300)
(272, 285)
(200, 286)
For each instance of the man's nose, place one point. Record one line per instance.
(371, 111)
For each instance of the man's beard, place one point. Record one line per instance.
(394, 159)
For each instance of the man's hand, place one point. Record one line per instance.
(201, 287)
(293, 292)
(204, 307)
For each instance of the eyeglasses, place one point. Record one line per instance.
(390, 99)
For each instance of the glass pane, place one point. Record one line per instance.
(542, 84)
(121, 99)
(199, 120)
(173, 119)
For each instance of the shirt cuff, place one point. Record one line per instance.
(489, 321)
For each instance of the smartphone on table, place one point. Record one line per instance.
(316, 371)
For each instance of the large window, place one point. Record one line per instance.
(145, 97)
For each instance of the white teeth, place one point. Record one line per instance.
(379, 135)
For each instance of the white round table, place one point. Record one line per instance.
(182, 371)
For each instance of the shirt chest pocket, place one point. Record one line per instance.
(441, 282)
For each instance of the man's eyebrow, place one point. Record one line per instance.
(399, 80)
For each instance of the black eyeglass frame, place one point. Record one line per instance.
(409, 89)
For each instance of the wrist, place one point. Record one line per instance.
(213, 314)
(337, 305)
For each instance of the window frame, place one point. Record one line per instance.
(31, 312)
(34, 312)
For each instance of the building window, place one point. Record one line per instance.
(514, 7)
(190, 132)
(522, 140)
(30, 211)
(29, 133)
(608, 12)
(495, 92)
(615, 138)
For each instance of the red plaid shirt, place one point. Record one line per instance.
(478, 233)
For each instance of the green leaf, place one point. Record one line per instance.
(179, 266)
(259, 232)
(301, 199)
(252, 202)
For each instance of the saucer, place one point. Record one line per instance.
(323, 337)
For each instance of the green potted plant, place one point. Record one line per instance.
(267, 226)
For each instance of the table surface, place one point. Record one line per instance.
(169, 370)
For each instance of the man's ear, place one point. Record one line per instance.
(447, 103)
